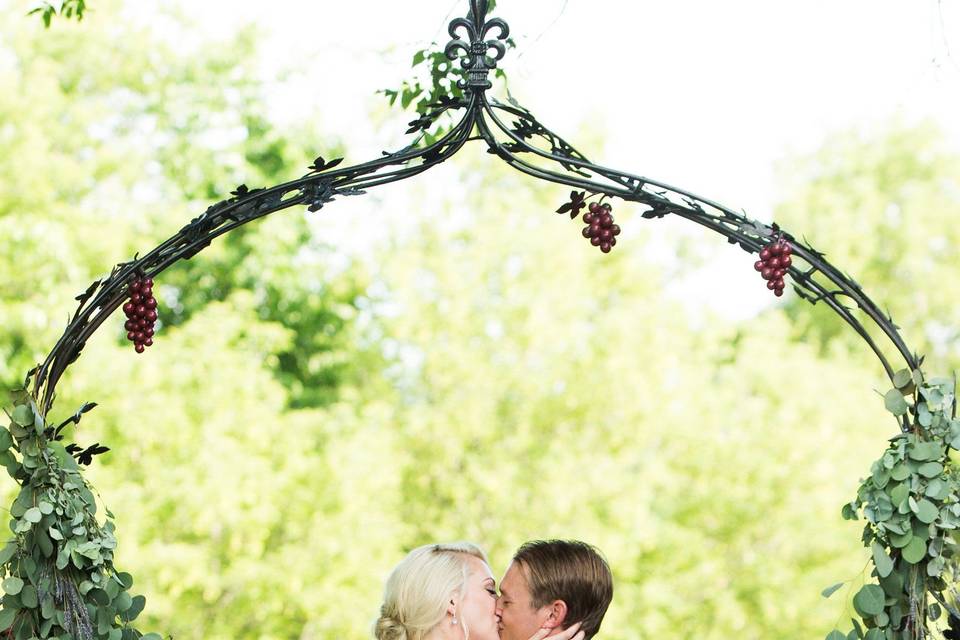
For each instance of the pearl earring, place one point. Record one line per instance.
(453, 620)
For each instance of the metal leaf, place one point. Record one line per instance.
(86, 294)
(331, 164)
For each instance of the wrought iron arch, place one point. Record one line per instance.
(512, 133)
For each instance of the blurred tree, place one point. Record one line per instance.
(883, 206)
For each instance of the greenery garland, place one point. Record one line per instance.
(911, 504)
(57, 570)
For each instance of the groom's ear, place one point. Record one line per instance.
(556, 615)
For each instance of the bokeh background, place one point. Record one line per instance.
(446, 358)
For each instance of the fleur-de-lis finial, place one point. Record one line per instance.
(474, 54)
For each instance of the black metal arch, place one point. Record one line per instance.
(510, 132)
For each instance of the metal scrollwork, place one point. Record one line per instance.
(475, 51)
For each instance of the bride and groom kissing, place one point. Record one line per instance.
(552, 590)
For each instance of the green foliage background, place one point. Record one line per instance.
(309, 413)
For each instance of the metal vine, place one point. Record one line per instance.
(510, 132)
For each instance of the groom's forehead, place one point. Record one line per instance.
(513, 575)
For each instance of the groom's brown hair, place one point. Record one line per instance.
(571, 571)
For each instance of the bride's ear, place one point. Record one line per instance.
(452, 608)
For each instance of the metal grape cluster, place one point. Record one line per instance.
(141, 312)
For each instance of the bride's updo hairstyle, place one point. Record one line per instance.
(418, 591)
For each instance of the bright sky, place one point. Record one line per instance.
(704, 95)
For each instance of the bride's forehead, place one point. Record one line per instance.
(480, 569)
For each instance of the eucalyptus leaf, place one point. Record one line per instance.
(23, 415)
(896, 615)
(28, 596)
(930, 469)
(881, 560)
(934, 487)
(924, 417)
(899, 493)
(104, 622)
(900, 472)
(848, 512)
(63, 559)
(869, 600)
(12, 585)
(915, 551)
(895, 403)
(902, 378)
(8, 552)
(137, 605)
(926, 511)
(122, 602)
(829, 591)
(47, 608)
(881, 476)
(6, 618)
(893, 584)
(112, 589)
(922, 451)
(893, 527)
(43, 541)
(18, 432)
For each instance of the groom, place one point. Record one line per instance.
(553, 584)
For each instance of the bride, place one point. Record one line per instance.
(446, 592)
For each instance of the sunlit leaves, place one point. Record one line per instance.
(65, 8)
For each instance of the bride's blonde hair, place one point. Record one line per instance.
(418, 590)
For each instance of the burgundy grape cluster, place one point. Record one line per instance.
(141, 312)
(773, 264)
(600, 227)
